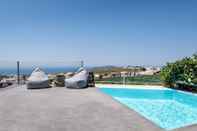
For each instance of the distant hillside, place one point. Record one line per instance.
(107, 69)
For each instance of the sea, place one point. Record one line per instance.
(28, 71)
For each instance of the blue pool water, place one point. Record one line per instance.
(168, 109)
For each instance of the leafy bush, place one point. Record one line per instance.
(167, 74)
(181, 70)
(194, 81)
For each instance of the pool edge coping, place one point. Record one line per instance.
(132, 86)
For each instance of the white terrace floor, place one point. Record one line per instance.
(61, 109)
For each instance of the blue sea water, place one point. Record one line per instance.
(27, 71)
(168, 109)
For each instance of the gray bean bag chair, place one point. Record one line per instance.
(38, 80)
(79, 80)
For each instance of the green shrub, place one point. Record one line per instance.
(181, 70)
(194, 81)
(167, 74)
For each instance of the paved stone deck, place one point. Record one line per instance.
(61, 109)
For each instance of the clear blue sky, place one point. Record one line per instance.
(101, 32)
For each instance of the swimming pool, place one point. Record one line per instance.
(167, 108)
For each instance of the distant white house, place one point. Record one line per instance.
(97, 75)
(126, 74)
(100, 76)
(115, 74)
(149, 71)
